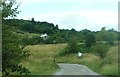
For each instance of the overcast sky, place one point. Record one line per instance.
(77, 14)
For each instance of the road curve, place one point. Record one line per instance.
(74, 69)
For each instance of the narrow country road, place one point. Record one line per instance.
(74, 69)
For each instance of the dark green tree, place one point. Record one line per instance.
(100, 50)
(108, 36)
(12, 52)
(72, 47)
(7, 8)
(32, 20)
(90, 40)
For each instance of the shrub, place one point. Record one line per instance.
(90, 40)
(72, 47)
(84, 49)
(111, 69)
(62, 53)
(100, 50)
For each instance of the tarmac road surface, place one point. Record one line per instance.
(74, 69)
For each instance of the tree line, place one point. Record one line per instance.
(57, 35)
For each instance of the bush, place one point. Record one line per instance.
(12, 53)
(100, 50)
(26, 40)
(62, 53)
(111, 69)
(72, 47)
(90, 40)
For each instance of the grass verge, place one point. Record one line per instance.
(41, 60)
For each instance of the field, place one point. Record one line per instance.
(41, 61)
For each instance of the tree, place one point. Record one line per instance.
(7, 8)
(32, 20)
(90, 40)
(73, 32)
(72, 47)
(100, 50)
(56, 27)
(11, 49)
(109, 36)
(12, 52)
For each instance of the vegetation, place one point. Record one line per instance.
(45, 55)
(72, 47)
(41, 60)
(98, 48)
(10, 48)
(57, 35)
(106, 66)
(90, 40)
(110, 62)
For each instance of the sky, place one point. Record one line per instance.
(77, 14)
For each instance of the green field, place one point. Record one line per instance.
(41, 60)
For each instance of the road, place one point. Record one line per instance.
(74, 69)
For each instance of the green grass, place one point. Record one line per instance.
(110, 66)
(71, 58)
(41, 61)
(0, 74)
(110, 69)
(92, 61)
(106, 66)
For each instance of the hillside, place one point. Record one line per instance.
(45, 51)
(30, 29)
(32, 47)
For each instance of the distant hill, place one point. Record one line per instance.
(30, 31)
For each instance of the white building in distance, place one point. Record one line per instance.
(44, 36)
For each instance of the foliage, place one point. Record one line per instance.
(63, 35)
(8, 10)
(92, 61)
(107, 35)
(90, 40)
(10, 50)
(41, 60)
(85, 49)
(26, 40)
(106, 66)
(72, 47)
(111, 69)
(100, 50)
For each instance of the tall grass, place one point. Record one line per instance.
(41, 61)
(109, 69)
(92, 61)
(106, 66)
(110, 63)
